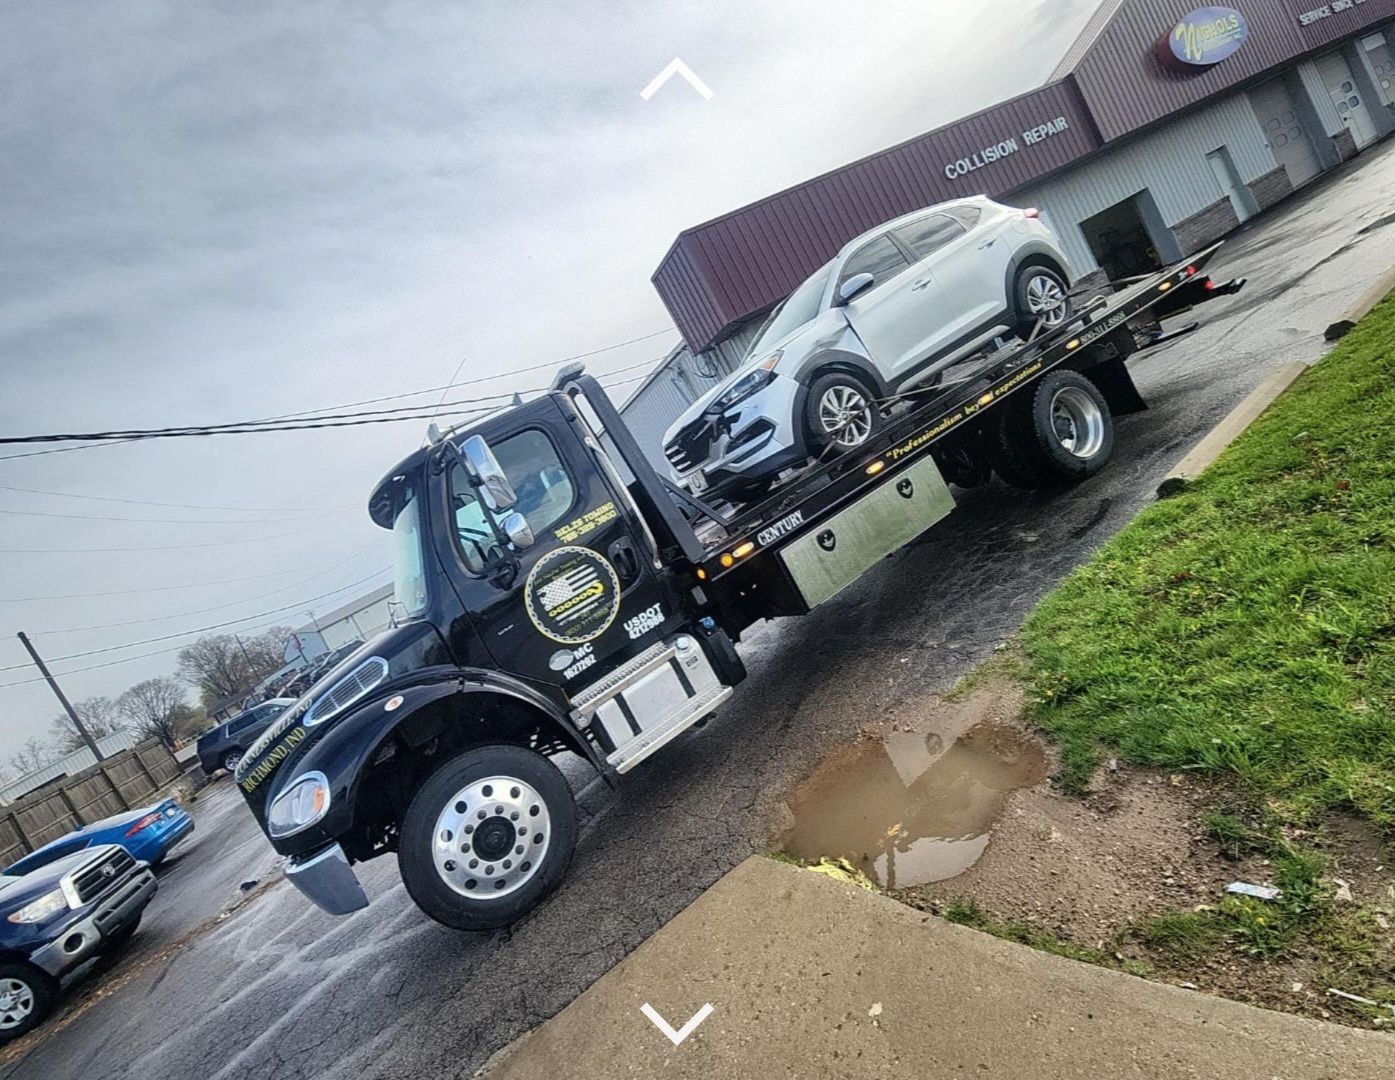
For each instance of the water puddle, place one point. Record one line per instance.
(914, 807)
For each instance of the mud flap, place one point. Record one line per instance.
(1116, 384)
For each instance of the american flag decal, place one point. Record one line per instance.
(572, 595)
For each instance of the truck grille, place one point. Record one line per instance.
(690, 448)
(96, 878)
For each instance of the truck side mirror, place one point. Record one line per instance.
(487, 474)
(854, 287)
(519, 532)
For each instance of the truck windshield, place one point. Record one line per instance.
(801, 307)
(409, 574)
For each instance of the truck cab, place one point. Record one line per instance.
(536, 611)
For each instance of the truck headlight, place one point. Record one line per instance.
(38, 910)
(752, 382)
(299, 806)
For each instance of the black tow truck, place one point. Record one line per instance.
(554, 595)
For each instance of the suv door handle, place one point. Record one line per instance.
(987, 244)
(924, 283)
(625, 560)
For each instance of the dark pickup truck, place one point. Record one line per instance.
(59, 916)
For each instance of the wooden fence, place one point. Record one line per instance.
(117, 783)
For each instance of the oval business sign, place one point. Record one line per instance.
(1203, 39)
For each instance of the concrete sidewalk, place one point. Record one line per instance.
(811, 978)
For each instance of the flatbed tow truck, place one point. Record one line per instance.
(543, 604)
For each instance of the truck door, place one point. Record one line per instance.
(584, 596)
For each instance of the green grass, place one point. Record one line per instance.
(1185, 936)
(967, 912)
(1246, 628)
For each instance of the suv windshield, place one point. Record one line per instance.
(409, 575)
(801, 307)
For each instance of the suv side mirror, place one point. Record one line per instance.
(487, 474)
(854, 287)
(519, 532)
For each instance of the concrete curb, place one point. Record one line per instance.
(1229, 429)
(1379, 290)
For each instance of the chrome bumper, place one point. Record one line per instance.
(327, 880)
(84, 938)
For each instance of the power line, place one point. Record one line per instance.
(173, 547)
(140, 521)
(180, 506)
(216, 607)
(202, 629)
(255, 426)
(161, 588)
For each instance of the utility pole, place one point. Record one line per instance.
(62, 698)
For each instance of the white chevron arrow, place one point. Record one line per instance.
(675, 1037)
(676, 67)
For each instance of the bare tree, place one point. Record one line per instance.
(34, 754)
(153, 708)
(222, 665)
(98, 714)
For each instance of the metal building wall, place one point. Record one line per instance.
(1170, 162)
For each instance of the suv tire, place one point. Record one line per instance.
(1057, 434)
(1035, 292)
(833, 418)
(34, 994)
(459, 851)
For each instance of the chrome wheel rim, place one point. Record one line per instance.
(1046, 299)
(16, 1002)
(1078, 422)
(845, 414)
(491, 837)
(231, 762)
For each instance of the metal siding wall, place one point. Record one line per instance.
(1126, 88)
(1170, 162)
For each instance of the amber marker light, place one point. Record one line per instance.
(875, 467)
(727, 560)
(744, 550)
(1074, 344)
(702, 574)
(1165, 286)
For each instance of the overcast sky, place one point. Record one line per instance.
(213, 212)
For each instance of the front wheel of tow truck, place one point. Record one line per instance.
(487, 836)
(1057, 434)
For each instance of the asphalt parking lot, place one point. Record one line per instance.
(278, 990)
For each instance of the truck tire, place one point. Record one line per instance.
(488, 835)
(1040, 295)
(840, 410)
(1057, 434)
(27, 995)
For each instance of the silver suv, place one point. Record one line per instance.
(895, 308)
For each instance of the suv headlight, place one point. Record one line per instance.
(753, 382)
(38, 910)
(299, 806)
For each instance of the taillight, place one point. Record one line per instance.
(1191, 271)
(1031, 212)
(143, 823)
(1210, 285)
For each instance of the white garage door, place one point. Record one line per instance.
(1377, 48)
(1278, 117)
(1340, 84)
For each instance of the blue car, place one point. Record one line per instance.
(147, 835)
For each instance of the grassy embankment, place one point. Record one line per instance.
(1245, 630)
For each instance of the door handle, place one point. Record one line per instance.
(986, 245)
(625, 560)
(924, 283)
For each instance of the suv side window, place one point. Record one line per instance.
(880, 257)
(539, 478)
(243, 722)
(927, 236)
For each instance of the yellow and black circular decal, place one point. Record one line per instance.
(572, 595)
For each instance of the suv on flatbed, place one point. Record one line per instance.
(222, 747)
(59, 916)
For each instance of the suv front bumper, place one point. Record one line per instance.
(83, 938)
(327, 880)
